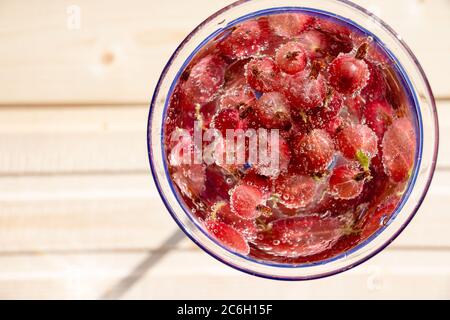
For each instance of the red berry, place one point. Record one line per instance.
(228, 236)
(183, 114)
(282, 154)
(235, 75)
(206, 112)
(263, 74)
(295, 191)
(240, 98)
(289, 24)
(304, 91)
(246, 227)
(347, 182)
(190, 179)
(218, 184)
(279, 210)
(302, 236)
(313, 152)
(315, 43)
(245, 40)
(181, 101)
(257, 181)
(348, 74)
(358, 142)
(333, 126)
(244, 201)
(272, 110)
(379, 115)
(181, 148)
(321, 117)
(226, 119)
(339, 45)
(380, 217)
(399, 149)
(354, 107)
(291, 57)
(340, 38)
(328, 26)
(205, 79)
(376, 85)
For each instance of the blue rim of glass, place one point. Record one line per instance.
(419, 140)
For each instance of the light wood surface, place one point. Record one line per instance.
(79, 214)
(122, 46)
(389, 275)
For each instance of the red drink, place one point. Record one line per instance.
(327, 101)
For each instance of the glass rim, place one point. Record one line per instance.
(363, 243)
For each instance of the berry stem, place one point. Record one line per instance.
(362, 51)
(362, 176)
(315, 70)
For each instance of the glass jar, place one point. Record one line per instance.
(427, 135)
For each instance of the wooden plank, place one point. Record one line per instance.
(124, 212)
(73, 139)
(61, 140)
(76, 213)
(427, 229)
(118, 52)
(62, 276)
(444, 132)
(116, 55)
(389, 275)
(195, 275)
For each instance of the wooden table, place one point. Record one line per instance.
(79, 214)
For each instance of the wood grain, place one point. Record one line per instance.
(73, 139)
(195, 275)
(82, 213)
(118, 53)
(80, 216)
(390, 274)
